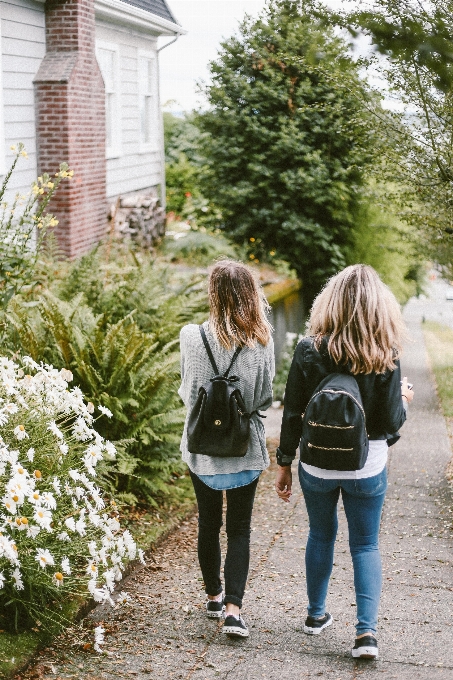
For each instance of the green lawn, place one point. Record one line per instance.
(439, 344)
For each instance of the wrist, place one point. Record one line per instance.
(284, 460)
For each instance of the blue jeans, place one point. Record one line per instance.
(363, 500)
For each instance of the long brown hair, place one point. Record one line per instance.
(237, 306)
(362, 319)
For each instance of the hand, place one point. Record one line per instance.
(283, 483)
(406, 392)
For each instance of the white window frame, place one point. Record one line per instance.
(2, 120)
(144, 93)
(112, 150)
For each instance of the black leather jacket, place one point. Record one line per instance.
(381, 397)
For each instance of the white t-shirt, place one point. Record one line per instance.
(375, 463)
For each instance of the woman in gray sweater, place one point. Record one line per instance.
(237, 319)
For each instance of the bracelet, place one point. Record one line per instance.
(404, 397)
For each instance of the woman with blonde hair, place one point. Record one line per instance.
(238, 334)
(355, 329)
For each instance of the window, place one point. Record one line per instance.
(108, 59)
(149, 115)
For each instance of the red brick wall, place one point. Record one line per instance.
(70, 120)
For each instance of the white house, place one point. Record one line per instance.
(79, 82)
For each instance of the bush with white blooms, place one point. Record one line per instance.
(59, 536)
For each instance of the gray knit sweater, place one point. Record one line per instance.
(255, 368)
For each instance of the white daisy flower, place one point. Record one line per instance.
(57, 579)
(44, 558)
(31, 454)
(98, 638)
(48, 499)
(64, 448)
(90, 407)
(55, 429)
(3, 418)
(109, 577)
(2, 580)
(65, 565)
(43, 518)
(66, 375)
(10, 505)
(74, 474)
(18, 583)
(92, 569)
(57, 486)
(70, 523)
(96, 593)
(105, 411)
(32, 531)
(20, 432)
(11, 408)
(93, 455)
(63, 536)
(123, 598)
(141, 556)
(111, 450)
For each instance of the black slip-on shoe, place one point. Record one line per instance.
(365, 647)
(235, 627)
(215, 609)
(314, 626)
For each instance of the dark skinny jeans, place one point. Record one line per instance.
(238, 520)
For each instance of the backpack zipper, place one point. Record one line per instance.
(332, 427)
(326, 448)
(339, 392)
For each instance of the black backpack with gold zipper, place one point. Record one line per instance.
(334, 435)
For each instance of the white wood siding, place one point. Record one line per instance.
(131, 170)
(22, 48)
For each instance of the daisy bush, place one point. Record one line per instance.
(59, 535)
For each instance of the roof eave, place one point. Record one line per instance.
(122, 13)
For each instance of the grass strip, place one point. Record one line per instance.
(439, 344)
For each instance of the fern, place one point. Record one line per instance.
(128, 363)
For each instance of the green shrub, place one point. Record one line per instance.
(120, 340)
(58, 537)
(200, 248)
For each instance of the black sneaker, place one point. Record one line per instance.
(235, 627)
(215, 609)
(365, 648)
(315, 626)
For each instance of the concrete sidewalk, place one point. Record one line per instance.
(164, 633)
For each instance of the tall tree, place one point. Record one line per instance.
(288, 141)
(417, 38)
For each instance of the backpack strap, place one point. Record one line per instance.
(208, 349)
(235, 355)
(211, 356)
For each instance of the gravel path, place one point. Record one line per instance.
(163, 633)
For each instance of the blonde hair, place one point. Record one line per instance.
(238, 306)
(362, 319)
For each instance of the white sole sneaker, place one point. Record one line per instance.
(367, 650)
(217, 610)
(235, 627)
(315, 627)
(365, 653)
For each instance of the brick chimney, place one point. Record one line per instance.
(70, 122)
